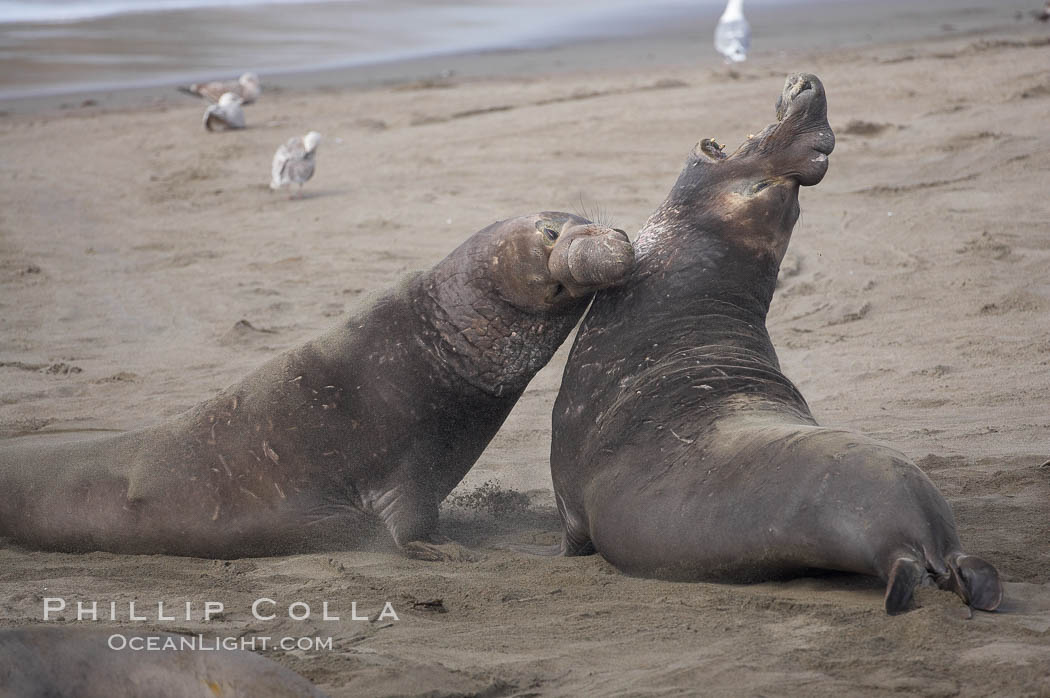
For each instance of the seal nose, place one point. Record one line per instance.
(799, 84)
(598, 261)
(802, 91)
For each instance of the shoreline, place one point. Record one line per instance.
(676, 42)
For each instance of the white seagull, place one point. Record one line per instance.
(247, 87)
(733, 33)
(294, 161)
(225, 115)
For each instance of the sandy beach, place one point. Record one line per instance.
(145, 265)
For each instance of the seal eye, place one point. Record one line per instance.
(549, 231)
(759, 186)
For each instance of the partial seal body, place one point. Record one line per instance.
(681, 451)
(63, 661)
(346, 441)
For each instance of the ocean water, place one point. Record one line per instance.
(50, 46)
(59, 46)
(23, 11)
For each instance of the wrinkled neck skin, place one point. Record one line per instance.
(696, 304)
(696, 268)
(476, 336)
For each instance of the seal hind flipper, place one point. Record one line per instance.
(975, 581)
(905, 575)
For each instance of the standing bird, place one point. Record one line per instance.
(225, 115)
(247, 87)
(733, 33)
(294, 161)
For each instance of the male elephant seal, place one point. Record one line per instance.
(375, 421)
(681, 451)
(65, 662)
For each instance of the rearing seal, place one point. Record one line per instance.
(372, 423)
(681, 451)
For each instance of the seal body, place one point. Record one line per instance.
(63, 661)
(681, 451)
(346, 441)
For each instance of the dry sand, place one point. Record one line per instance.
(914, 307)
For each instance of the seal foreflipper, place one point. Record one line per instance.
(905, 575)
(976, 581)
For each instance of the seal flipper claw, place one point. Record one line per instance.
(975, 581)
(905, 575)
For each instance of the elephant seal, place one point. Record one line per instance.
(373, 422)
(65, 662)
(680, 450)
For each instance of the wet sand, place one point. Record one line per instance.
(913, 307)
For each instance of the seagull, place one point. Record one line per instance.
(294, 161)
(247, 87)
(225, 115)
(733, 33)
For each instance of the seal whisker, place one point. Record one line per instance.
(682, 439)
